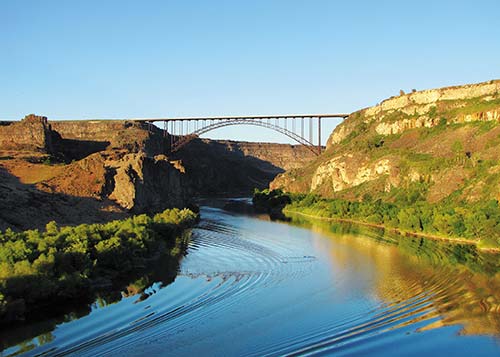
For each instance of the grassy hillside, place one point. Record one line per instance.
(433, 159)
(452, 150)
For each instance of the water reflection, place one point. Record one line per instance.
(459, 284)
(253, 287)
(140, 285)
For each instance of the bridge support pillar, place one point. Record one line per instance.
(319, 135)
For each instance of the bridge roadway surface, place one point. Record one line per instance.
(175, 126)
(245, 117)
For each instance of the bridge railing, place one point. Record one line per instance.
(302, 128)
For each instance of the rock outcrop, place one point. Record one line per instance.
(144, 184)
(443, 138)
(82, 137)
(106, 169)
(343, 173)
(33, 133)
(236, 168)
(462, 104)
(282, 156)
(120, 167)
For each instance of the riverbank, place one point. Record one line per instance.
(478, 225)
(396, 230)
(61, 264)
(340, 271)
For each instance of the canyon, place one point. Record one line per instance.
(447, 140)
(95, 170)
(445, 150)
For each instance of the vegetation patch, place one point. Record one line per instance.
(271, 202)
(454, 108)
(65, 263)
(409, 213)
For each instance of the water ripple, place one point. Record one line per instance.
(258, 288)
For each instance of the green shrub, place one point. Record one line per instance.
(60, 262)
(411, 212)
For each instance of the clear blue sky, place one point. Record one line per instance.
(124, 59)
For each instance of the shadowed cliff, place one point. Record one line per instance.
(124, 166)
(236, 168)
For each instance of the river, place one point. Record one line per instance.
(250, 286)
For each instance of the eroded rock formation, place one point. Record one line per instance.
(447, 139)
(145, 184)
(33, 133)
(236, 168)
(467, 103)
(112, 168)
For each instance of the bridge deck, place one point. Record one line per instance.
(247, 117)
(151, 120)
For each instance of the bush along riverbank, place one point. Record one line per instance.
(60, 264)
(271, 202)
(477, 223)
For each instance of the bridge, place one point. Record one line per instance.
(301, 128)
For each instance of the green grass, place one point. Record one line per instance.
(454, 108)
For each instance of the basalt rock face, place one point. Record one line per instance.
(446, 140)
(144, 184)
(106, 169)
(236, 168)
(282, 156)
(82, 138)
(101, 169)
(33, 133)
(134, 175)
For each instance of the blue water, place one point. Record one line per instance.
(248, 286)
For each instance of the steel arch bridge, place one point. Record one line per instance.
(302, 128)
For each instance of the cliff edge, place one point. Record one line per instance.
(447, 141)
(82, 172)
(95, 170)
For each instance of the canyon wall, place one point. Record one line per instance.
(222, 167)
(446, 140)
(83, 136)
(33, 133)
(114, 168)
(282, 156)
(467, 103)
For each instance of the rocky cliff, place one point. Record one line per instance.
(83, 137)
(446, 139)
(457, 104)
(112, 168)
(281, 156)
(102, 186)
(87, 171)
(236, 168)
(207, 167)
(32, 134)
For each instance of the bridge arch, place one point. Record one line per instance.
(183, 130)
(182, 141)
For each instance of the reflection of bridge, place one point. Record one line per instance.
(300, 128)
